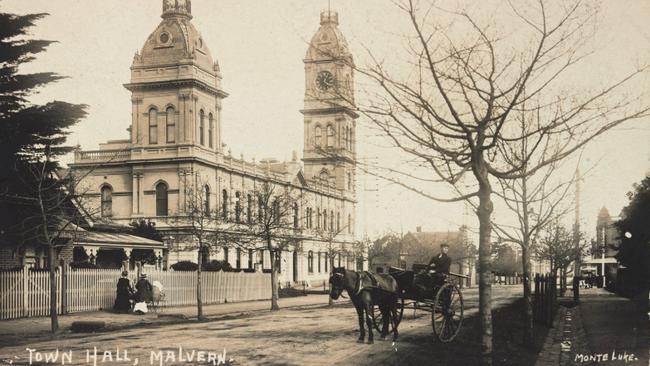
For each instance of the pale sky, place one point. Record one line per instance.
(260, 45)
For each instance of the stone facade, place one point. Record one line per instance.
(175, 148)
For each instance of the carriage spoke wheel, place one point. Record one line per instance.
(447, 314)
(378, 319)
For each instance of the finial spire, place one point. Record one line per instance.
(177, 7)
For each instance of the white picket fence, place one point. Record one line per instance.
(27, 293)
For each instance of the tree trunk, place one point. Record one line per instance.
(274, 278)
(331, 259)
(54, 318)
(485, 287)
(528, 299)
(199, 299)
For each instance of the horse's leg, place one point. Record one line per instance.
(362, 333)
(385, 316)
(367, 303)
(393, 318)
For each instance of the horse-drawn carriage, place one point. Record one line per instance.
(435, 293)
(384, 297)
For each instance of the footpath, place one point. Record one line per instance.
(603, 328)
(30, 329)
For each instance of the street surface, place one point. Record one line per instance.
(299, 336)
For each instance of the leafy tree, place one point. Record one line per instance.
(557, 244)
(36, 200)
(634, 247)
(145, 229)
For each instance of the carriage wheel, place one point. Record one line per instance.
(378, 319)
(447, 314)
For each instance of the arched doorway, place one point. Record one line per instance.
(295, 266)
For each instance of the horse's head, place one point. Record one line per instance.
(337, 281)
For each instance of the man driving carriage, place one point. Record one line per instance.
(441, 262)
(435, 273)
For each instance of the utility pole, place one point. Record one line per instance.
(576, 237)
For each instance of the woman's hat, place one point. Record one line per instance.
(143, 276)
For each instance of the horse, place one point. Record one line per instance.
(365, 290)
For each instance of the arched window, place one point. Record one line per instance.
(339, 259)
(161, 199)
(225, 255)
(250, 258)
(349, 138)
(349, 223)
(201, 127)
(318, 133)
(310, 218)
(327, 262)
(210, 129)
(295, 215)
(338, 222)
(318, 218)
(330, 136)
(278, 260)
(345, 137)
(238, 258)
(319, 264)
(153, 126)
(260, 209)
(107, 201)
(171, 125)
(276, 211)
(249, 209)
(224, 204)
(237, 207)
(331, 220)
(349, 176)
(310, 262)
(206, 200)
(324, 219)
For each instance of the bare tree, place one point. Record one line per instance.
(330, 235)
(52, 214)
(558, 245)
(453, 111)
(201, 222)
(274, 229)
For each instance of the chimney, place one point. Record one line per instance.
(418, 229)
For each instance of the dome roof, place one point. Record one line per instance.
(175, 40)
(328, 42)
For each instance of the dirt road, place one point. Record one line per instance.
(305, 336)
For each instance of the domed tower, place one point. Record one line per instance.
(176, 88)
(329, 115)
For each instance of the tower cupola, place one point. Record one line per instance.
(173, 8)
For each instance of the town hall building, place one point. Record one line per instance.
(175, 149)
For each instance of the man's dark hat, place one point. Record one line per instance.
(444, 245)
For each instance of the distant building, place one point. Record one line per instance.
(603, 249)
(420, 246)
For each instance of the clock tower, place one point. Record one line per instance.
(329, 115)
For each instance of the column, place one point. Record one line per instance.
(136, 134)
(183, 118)
(127, 262)
(140, 193)
(134, 194)
(182, 186)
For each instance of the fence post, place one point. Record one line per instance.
(25, 291)
(64, 287)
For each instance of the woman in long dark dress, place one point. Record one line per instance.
(124, 291)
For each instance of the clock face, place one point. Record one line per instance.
(325, 80)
